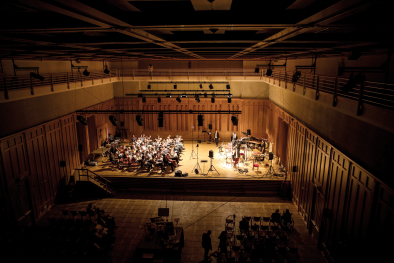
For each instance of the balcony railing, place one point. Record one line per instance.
(374, 93)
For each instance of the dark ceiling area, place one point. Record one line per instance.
(193, 29)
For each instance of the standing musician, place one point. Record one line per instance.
(217, 137)
(233, 139)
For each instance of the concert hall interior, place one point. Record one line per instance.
(175, 117)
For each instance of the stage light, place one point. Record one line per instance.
(143, 99)
(149, 86)
(106, 71)
(175, 86)
(82, 120)
(168, 95)
(269, 72)
(257, 70)
(229, 100)
(205, 95)
(158, 99)
(36, 76)
(113, 120)
(178, 100)
(139, 120)
(212, 100)
(200, 86)
(184, 95)
(210, 86)
(230, 95)
(86, 73)
(197, 98)
(353, 81)
(228, 86)
(234, 120)
(200, 120)
(296, 76)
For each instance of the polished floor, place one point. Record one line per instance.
(223, 166)
(197, 215)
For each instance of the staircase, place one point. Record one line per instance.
(89, 184)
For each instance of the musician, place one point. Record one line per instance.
(234, 139)
(217, 137)
(110, 137)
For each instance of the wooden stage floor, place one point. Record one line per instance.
(226, 171)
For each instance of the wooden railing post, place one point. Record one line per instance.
(51, 82)
(334, 98)
(360, 100)
(31, 86)
(317, 88)
(279, 79)
(68, 81)
(5, 89)
(304, 90)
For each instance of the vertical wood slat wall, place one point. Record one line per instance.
(31, 167)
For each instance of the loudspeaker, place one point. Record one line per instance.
(113, 120)
(62, 163)
(200, 120)
(185, 174)
(257, 70)
(178, 173)
(82, 120)
(269, 72)
(121, 124)
(248, 132)
(164, 212)
(294, 169)
(296, 76)
(80, 148)
(139, 120)
(161, 124)
(271, 156)
(210, 126)
(196, 171)
(210, 154)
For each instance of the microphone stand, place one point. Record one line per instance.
(193, 152)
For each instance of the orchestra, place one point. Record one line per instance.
(144, 151)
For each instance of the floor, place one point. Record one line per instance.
(197, 215)
(188, 164)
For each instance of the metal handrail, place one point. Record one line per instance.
(320, 83)
(88, 176)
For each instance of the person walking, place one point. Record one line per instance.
(217, 138)
(206, 244)
(223, 243)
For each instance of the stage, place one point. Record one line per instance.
(227, 179)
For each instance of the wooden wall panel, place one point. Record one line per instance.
(13, 151)
(55, 153)
(384, 215)
(299, 163)
(291, 149)
(323, 151)
(335, 199)
(70, 144)
(42, 186)
(92, 131)
(359, 206)
(307, 175)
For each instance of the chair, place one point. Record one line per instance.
(235, 162)
(255, 165)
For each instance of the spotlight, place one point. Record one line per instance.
(113, 120)
(296, 76)
(158, 99)
(205, 95)
(36, 76)
(229, 100)
(168, 95)
(200, 86)
(257, 70)
(212, 100)
(175, 86)
(183, 95)
(200, 120)
(178, 100)
(210, 86)
(197, 98)
(143, 99)
(139, 120)
(149, 86)
(106, 71)
(86, 72)
(269, 72)
(140, 95)
(234, 120)
(230, 95)
(228, 86)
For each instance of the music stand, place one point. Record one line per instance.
(193, 152)
(197, 166)
(271, 170)
(212, 168)
(210, 135)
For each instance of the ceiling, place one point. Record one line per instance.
(192, 29)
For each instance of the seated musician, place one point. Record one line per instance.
(170, 162)
(110, 137)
